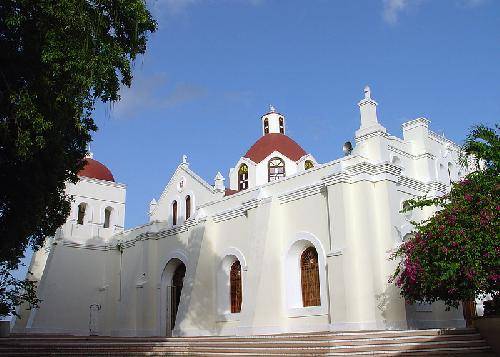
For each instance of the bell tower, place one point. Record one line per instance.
(273, 122)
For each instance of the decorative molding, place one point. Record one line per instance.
(370, 135)
(437, 186)
(360, 171)
(400, 152)
(101, 182)
(229, 214)
(73, 244)
(425, 155)
(409, 155)
(241, 210)
(443, 141)
(355, 173)
(415, 123)
(413, 184)
(300, 193)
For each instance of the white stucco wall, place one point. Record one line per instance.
(348, 209)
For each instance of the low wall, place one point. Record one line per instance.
(489, 328)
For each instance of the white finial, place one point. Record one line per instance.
(219, 182)
(152, 206)
(185, 160)
(368, 110)
(89, 154)
(272, 109)
(368, 93)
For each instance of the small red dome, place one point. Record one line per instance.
(274, 142)
(94, 169)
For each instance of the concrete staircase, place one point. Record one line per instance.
(463, 342)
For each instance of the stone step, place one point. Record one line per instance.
(308, 336)
(262, 342)
(383, 343)
(280, 349)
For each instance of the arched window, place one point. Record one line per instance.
(174, 213)
(107, 217)
(235, 283)
(308, 164)
(82, 207)
(188, 206)
(243, 177)
(266, 126)
(282, 126)
(309, 277)
(276, 169)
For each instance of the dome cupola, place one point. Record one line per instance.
(96, 170)
(273, 122)
(272, 142)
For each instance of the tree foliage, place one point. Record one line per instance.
(454, 255)
(57, 59)
(14, 292)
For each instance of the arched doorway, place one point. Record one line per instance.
(175, 293)
(172, 282)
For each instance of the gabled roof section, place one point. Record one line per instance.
(192, 174)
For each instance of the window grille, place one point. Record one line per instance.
(310, 278)
(235, 282)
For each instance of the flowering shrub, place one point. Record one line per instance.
(454, 255)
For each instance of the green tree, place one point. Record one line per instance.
(57, 58)
(454, 255)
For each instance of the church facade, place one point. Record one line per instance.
(287, 244)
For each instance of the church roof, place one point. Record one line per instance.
(274, 142)
(94, 169)
(229, 192)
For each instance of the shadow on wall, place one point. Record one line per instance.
(198, 299)
(390, 310)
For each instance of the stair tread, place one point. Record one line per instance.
(384, 343)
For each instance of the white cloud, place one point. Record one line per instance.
(472, 3)
(393, 8)
(160, 7)
(153, 92)
(174, 7)
(183, 93)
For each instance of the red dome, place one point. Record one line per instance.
(94, 169)
(274, 142)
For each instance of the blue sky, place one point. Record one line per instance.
(214, 66)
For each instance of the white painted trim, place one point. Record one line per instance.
(223, 298)
(102, 182)
(307, 311)
(238, 254)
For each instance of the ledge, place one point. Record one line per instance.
(307, 311)
(228, 316)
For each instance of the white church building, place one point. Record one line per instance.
(284, 244)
